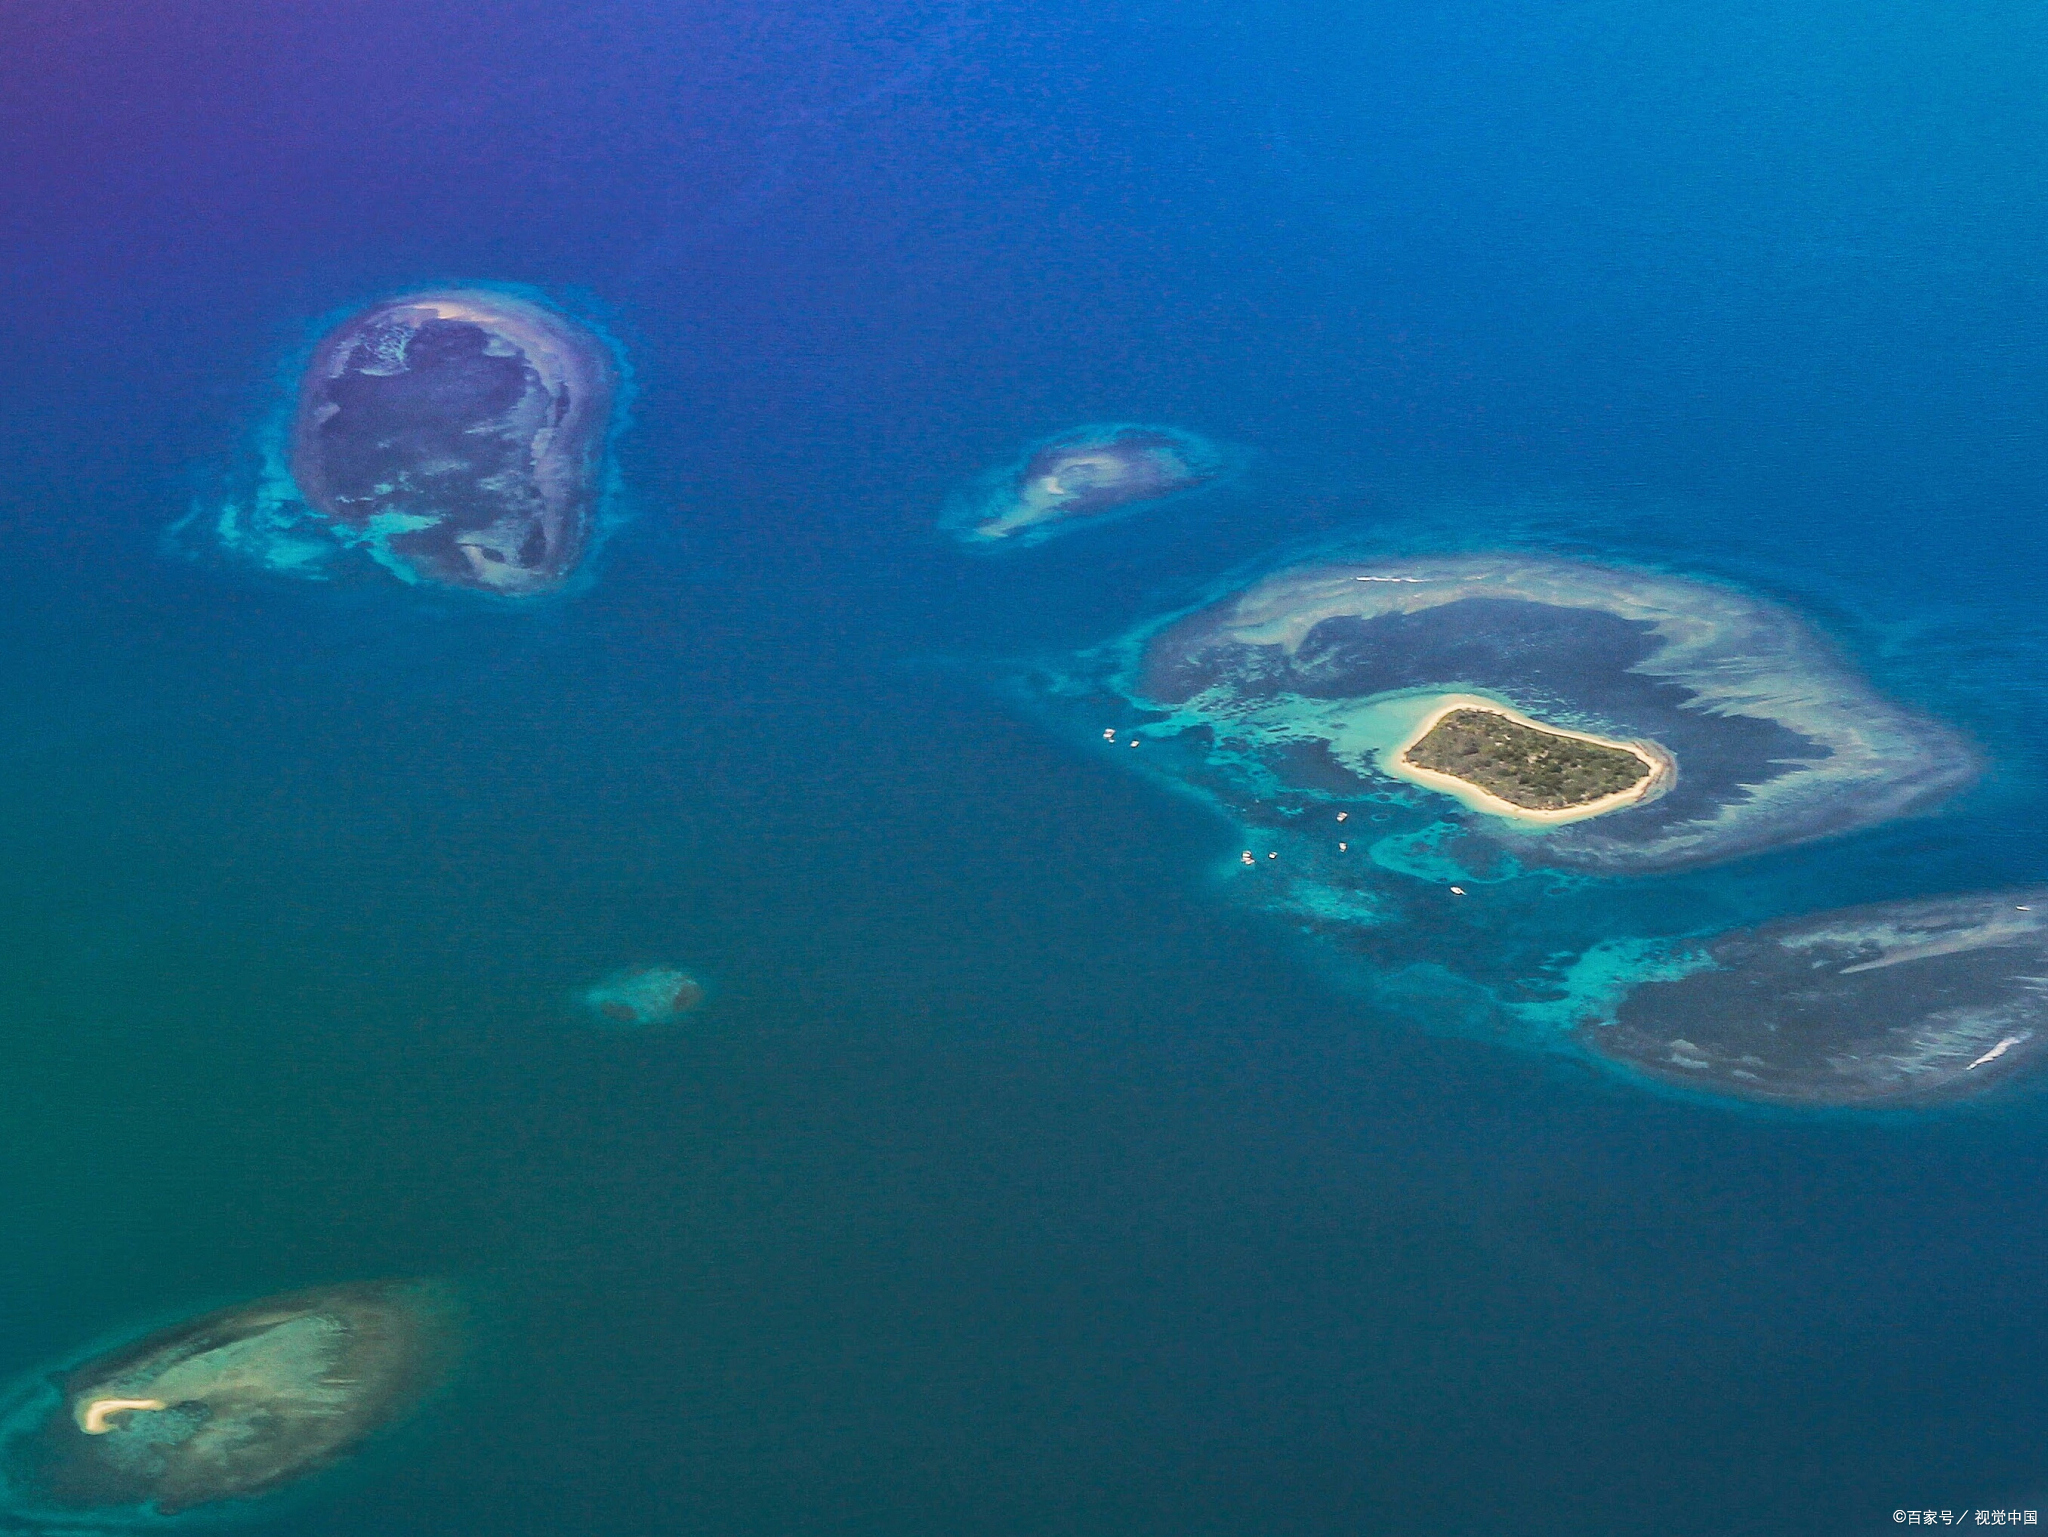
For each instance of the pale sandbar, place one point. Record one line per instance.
(1087, 475)
(93, 1414)
(1108, 476)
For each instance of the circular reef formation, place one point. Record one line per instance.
(1086, 475)
(1896, 1003)
(462, 433)
(1600, 719)
(204, 1416)
(645, 995)
(456, 437)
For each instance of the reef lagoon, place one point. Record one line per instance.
(524, 773)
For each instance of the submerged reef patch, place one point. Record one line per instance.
(1087, 475)
(1755, 733)
(455, 437)
(199, 1419)
(1898, 1003)
(645, 995)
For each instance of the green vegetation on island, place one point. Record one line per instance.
(1524, 765)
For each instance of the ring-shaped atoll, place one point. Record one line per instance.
(455, 437)
(1895, 1004)
(1087, 475)
(1318, 685)
(204, 1419)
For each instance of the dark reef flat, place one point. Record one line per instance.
(1775, 739)
(1897, 1003)
(1541, 770)
(459, 436)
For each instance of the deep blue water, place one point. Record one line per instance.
(1015, 1182)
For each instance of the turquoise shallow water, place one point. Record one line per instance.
(1786, 760)
(1019, 1177)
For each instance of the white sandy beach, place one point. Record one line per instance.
(1662, 767)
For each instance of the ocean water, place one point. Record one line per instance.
(1018, 1179)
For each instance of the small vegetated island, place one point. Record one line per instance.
(200, 1419)
(1898, 1003)
(1519, 768)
